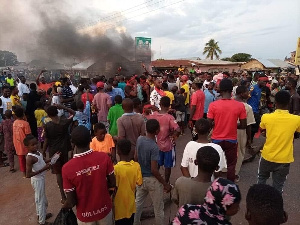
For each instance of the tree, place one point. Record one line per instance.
(226, 59)
(212, 49)
(241, 57)
(8, 59)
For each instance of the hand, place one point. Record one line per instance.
(48, 166)
(58, 106)
(191, 125)
(167, 188)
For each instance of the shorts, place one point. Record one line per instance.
(167, 159)
(62, 160)
(180, 116)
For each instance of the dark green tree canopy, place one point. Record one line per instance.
(8, 59)
(241, 57)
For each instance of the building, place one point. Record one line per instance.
(204, 65)
(292, 58)
(273, 65)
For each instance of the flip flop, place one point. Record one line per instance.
(4, 165)
(12, 170)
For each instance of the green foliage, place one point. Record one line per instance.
(226, 59)
(212, 49)
(241, 57)
(8, 59)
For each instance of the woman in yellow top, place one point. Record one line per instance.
(14, 97)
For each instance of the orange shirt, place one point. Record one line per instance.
(103, 146)
(21, 128)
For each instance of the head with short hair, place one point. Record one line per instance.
(14, 90)
(31, 143)
(127, 105)
(52, 111)
(226, 85)
(165, 102)
(6, 91)
(19, 112)
(165, 86)
(264, 205)
(80, 105)
(242, 92)
(291, 84)
(207, 159)
(152, 126)
(81, 137)
(123, 147)
(32, 86)
(282, 99)
(115, 84)
(202, 126)
(100, 131)
(39, 104)
(181, 91)
(118, 99)
(23, 79)
(8, 114)
(175, 89)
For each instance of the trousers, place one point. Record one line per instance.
(279, 173)
(108, 220)
(40, 198)
(241, 149)
(153, 187)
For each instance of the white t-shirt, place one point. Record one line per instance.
(23, 88)
(56, 101)
(190, 152)
(205, 83)
(6, 104)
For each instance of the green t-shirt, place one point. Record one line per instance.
(10, 81)
(114, 114)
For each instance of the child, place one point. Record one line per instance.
(103, 142)
(180, 109)
(114, 114)
(188, 168)
(82, 115)
(165, 139)
(189, 190)
(264, 206)
(35, 169)
(277, 153)
(24, 100)
(21, 128)
(6, 128)
(153, 183)
(128, 175)
(39, 114)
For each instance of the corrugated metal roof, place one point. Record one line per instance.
(280, 63)
(84, 65)
(267, 63)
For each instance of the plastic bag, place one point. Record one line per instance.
(65, 217)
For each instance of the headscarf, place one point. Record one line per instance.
(222, 194)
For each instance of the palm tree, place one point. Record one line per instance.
(212, 49)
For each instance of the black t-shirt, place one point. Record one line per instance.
(58, 136)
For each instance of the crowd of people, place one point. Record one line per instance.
(107, 138)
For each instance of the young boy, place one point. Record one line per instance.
(277, 153)
(82, 115)
(180, 108)
(264, 206)
(153, 183)
(188, 167)
(35, 169)
(190, 190)
(6, 127)
(21, 128)
(88, 179)
(169, 131)
(114, 113)
(103, 142)
(128, 175)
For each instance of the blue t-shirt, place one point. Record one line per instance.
(254, 100)
(147, 151)
(209, 98)
(118, 91)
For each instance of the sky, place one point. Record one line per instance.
(178, 28)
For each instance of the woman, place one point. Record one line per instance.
(222, 200)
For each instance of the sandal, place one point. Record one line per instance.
(4, 165)
(12, 170)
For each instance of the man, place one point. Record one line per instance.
(67, 94)
(145, 89)
(10, 81)
(295, 98)
(22, 87)
(197, 105)
(130, 125)
(254, 102)
(168, 94)
(243, 136)
(225, 114)
(171, 82)
(157, 93)
(117, 90)
(207, 81)
(277, 153)
(186, 87)
(41, 82)
(131, 87)
(122, 83)
(88, 179)
(6, 103)
(102, 103)
(33, 97)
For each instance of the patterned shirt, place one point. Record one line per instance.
(67, 93)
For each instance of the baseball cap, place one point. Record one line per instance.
(100, 84)
(184, 77)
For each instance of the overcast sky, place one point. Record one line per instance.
(180, 28)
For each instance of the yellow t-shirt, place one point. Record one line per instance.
(15, 100)
(103, 146)
(280, 127)
(187, 91)
(39, 114)
(128, 175)
(10, 81)
(170, 95)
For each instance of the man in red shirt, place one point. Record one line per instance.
(197, 105)
(169, 131)
(225, 114)
(41, 82)
(88, 180)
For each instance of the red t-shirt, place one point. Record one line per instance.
(84, 98)
(45, 87)
(167, 125)
(225, 113)
(86, 175)
(198, 99)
